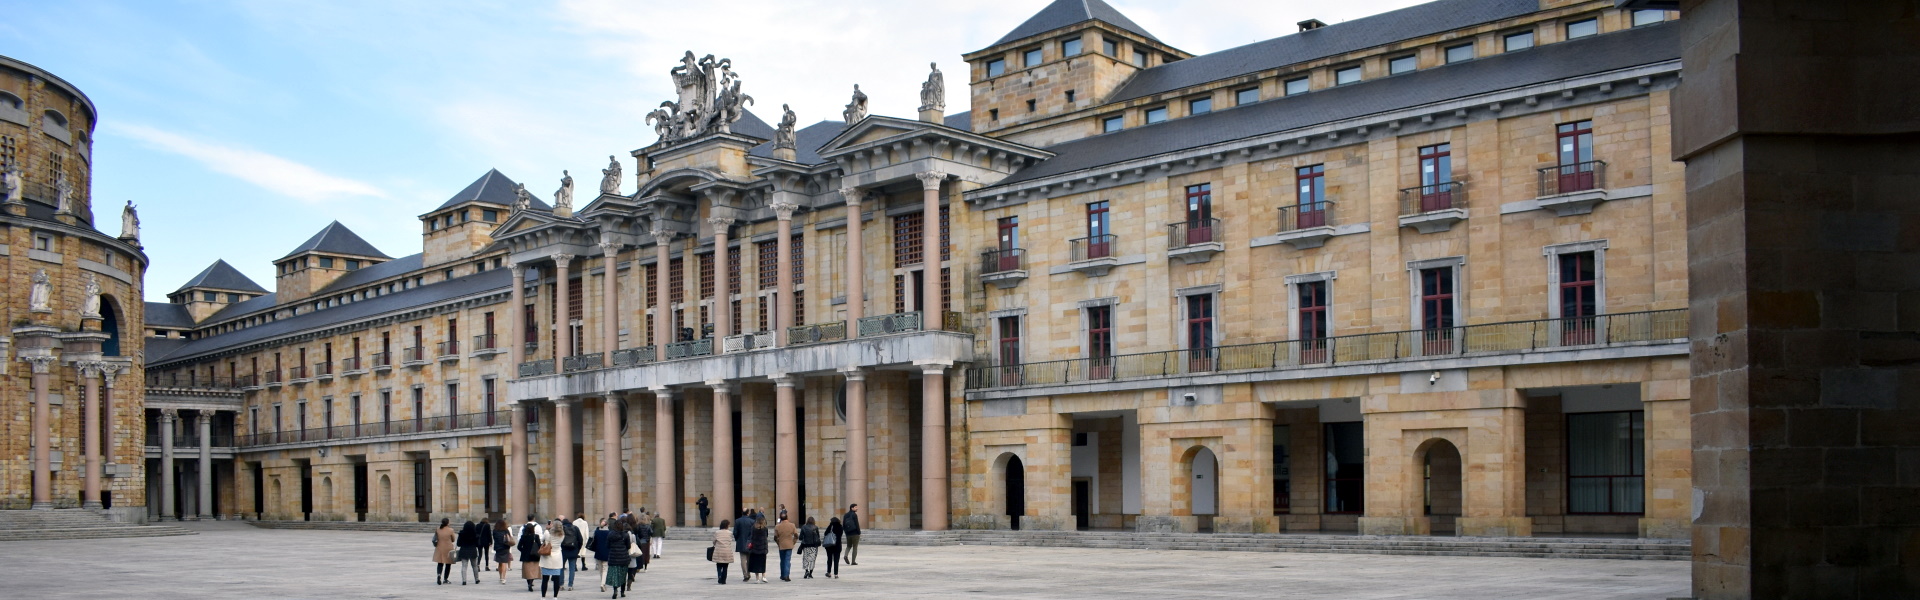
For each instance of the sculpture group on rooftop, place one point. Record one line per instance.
(130, 224)
(710, 100)
(563, 197)
(783, 136)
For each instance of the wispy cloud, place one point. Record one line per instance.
(274, 173)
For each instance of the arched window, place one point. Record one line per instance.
(110, 325)
(11, 101)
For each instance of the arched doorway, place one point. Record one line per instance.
(1441, 486)
(1203, 486)
(450, 494)
(325, 502)
(385, 499)
(1013, 480)
(273, 498)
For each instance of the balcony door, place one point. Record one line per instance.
(1199, 213)
(1436, 171)
(1576, 156)
(1312, 197)
(1099, 244)
(1578, 302)
(1008, 259)
(1436, 310)
(1200, 333)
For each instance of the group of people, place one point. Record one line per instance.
(623, 545)
(749, 539)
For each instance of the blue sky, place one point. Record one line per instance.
(242, 127)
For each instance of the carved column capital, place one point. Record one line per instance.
(723, 387)
(170, 414)
(786, 381)
(569, 403)
(854, 373)
(663, 392)
(41, 363)
(853, 195)
(92, 368)
(206, 418)
(609, 247)
(661, 234)
(934, 368)
(930, 180)
(563, 260)
(783, 210)
(720, 224)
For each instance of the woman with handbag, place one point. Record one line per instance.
(809, 547)
(444, 539)
(529, 543)
(553, 564)
(615, 547)
(831, 541)
(721, 551)
(757, 552)
(502, 547)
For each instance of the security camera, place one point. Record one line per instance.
(1189, 398)
(1434, 378)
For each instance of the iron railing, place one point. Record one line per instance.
(1002, 260)
(191, 380)
(449, 348)
(478, 420)
(633, 356)
(1091, 247)
(583, 362)
(1576, 177)
(700, 347)
(350, 364)
(1295, 217)
(273, 377)
(191, 439)
(323, 369)
(413, 355)
(886, 324)
(1428, 198)
(536, 368)
(382, 359)
(1189, 233)
(817, 333)
(484, 341)
(1489, 338)
(297, 373)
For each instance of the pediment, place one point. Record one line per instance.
(877, 133)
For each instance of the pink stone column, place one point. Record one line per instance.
(612, 495)
(723, 307)
(609, 302)
(931, 318)
(722, 499)
(856, 437)
(663, 310)
(90, 432)
(783, 269)
(563, 310)
(563, 457)
(786, 436)
(518, 496)
(664, 490)
(42, 434)
(516, 347)
(856, 269)
(933, 448)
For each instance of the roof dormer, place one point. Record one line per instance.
(1069, 56)
(332, 252)
(215, 288)
(464, 224)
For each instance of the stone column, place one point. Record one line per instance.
(609, 302)
(168, 417)
(932, 318)
(786, 436)
(563, 341)
(663, 476)
(856, 275)
(612, 495)
(205, 510)
(722, 499)
(783, 269)
(563, 457)
(723, 264)
(856, 437)
(933, 447)
(90, 374)
(42, 432)
(516, 347)
(519, 505)
(663, 310)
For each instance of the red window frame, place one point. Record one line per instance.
(1009, 350)
(1009, 239)
(1578, 298)
(1313, 321)
(676, 281)
(1574, 148)
(1436, 170)
(419, 409)
(1100, 342)
(1311, 188)
(1200, 213)
(1099, 245)
(1200, 332)
(1436, 310)
(487, 398)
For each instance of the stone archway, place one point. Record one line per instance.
(1443, 485)
(385, 498)
(324, 503)
(450, 494)
(1009, 481)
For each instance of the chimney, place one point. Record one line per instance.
(1311, 24)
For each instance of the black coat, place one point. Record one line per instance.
(502, 542)
(851, 522)
(529, 544)
(809, 536)
(616, 546)
(757, 541)
(742, 528)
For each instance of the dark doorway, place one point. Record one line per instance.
(259, 490)
(360, 491)
(919, 283)
(1082, 504)
(739, 475)
(421, 489)
(799, 513)
(306, 491)
(1016, 491)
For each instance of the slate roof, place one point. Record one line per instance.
(1063, 13)
(222, 276)
(752, 126)
(962, 120)
(493, 187)
(806, 142)
(1384, 28)
(370, 274)
(337, 239)
(156, 348)
(477, 283)
(167, 314)
(1638, 46)
(256, 304)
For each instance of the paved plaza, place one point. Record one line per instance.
(233, 560)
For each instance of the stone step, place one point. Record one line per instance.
(100, 533)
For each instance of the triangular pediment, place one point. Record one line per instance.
(879, 132)
(872, 130)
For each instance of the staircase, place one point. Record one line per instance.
(386, 526)
(75, 524)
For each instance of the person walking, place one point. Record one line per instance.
(637, 548)
(598, 546)
(722, 548)
(659, 536)
(571, 540)
(786, 536)
(468, 546)
(553, 566)
(530, 541)
(444, 544)
(809, 547)
(702, 503)
(502, 547)
(483, 533)
(615, 552)
(742, 531)
(757, 552)
(851, 524)
(831, 541)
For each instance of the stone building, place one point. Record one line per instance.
(1419, 272)
(69, 381)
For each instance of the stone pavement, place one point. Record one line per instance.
(235, 560)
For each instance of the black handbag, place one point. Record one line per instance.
(709, 553)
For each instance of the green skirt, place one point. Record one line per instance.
(616, 574)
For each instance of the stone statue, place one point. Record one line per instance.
(90, 307)
(522, 199)
(129, 223)
(729, 107)
(784, 136)
(39, 297)
(563, 197)
(857, 109)
(610, 177)
(933, 93)
(710, 100)
(12, 184)
(63, 191)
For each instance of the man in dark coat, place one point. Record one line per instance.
(742, 531)
(702, 503)
(851, 524)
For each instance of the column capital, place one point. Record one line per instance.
(720, 224)
(41, 363)
(562, 260)
(92, 368)
(785, 380)
(783, 210)
(930, 180)
(854, 373)
(170, 414)
(723, 386)
(206, 418)
(853, 195)
(664, 392)
(661, 234)
(609, 247)
(566, 402)
(933, 368)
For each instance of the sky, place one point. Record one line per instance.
(242, 127)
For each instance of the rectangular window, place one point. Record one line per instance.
(996, 67)
(1404, 64)
(419, 408)
(1069, 96)
(1200, 333)
(1199, 214)
(706, 276)
(210, 296)
(530, 332)
(798, 250)
(1140, 58)
(1578, 302)
(453, 400)
(907, 229)
(326, 263)
(1313, 321)
(1100, 342)
(1156, 114)
(1648, 17)
(1199, 106)
(1009, 340)
(1583, 28)
(1297, 86)
(1032, 105)
(1436, 170)
(1030, 58)
(1346, 467)
(1575, 152)
(1112, 124)
(1436, 310)
(733, 273)
(353, 265)
(1460, 53)
(1109, 47)
(487, 398)
(1070, 47)
(1311, 199)
(386, 411)
(1099, 243)
(1246, 96)
(1520, 40)
(489, 215)
(1347, 75)
(1605, 463)
(676, 281)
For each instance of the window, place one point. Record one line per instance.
(466, 215)
(1297, 86)
(419, 405)
(210, 296)
(1518, 41)
(453, 399)
(1009, 340)
(1111, 124)
(1246, 96)
(1200, 332)
(1436, 170)
(487, 398)
(1199, 214)
(706, 276)
(1069, 96)
(386, 410)
(1099, 243)
(1575, 152)
(353, 264)
(1583, 28)
(1311, 200)
(1436, 310)
(1312, 327)
(1032, 104)
(1156, 115)
(1346, 75)
(1648, 17)
(993, 114)
(326, 263)
(1100, 342)
(1070, 47)
(1578, 300)
(1140, 58)
(1404, 64)
(676, 281)
(1109, 47)
(489, 215)
(1346, 467)
(1030, 58)
(1199, 106)
(43, 242)
(232, 298)
(996, 67)
(1460, 53)
(1605, 465)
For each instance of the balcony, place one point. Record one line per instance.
(413, 357)
(298, 375)
(323, 372)
(486, 345)
(583, 362)
(536, 368)
(1195, 242)
(817, 333)
(1092, 255)
(382, 362)
(702, 347)
(1307, 226)
(633, 356)
(1573, 189)
(1433, 208)
(273, 379)
(1003, 268)
(449, 350)
(353, 366)
(748, 341)
(195, 382)
(1490, 339)
(889, 324)
(444, 423)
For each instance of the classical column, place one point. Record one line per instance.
(663, 444)
(723, 308)
(783, 269)
(612, 496)
(563, 309)
(722, 499)
(519, 505)
(563, 457)
(786, 451)
(856, 437)
(856, 275)
(168, 417)
(609, 302)
(933, 447)
(90, 374)
(662, 310)
(206, 465)
(42, 432)
(516, 347)
(932, 317)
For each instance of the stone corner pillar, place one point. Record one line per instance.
(786, 455)
(612, 494)
(563, 457)
(42, 431)
(91, 374)
(609, 301)
(721, 502)
(856, 258)
(932, 318)
(563, 291)
(856, 492)
(519, 497)
(933, 446)
(665, 495)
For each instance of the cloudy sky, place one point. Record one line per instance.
(241, 127)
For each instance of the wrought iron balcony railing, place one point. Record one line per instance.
(1190, 233)
(1576, 177)
(1002, 260)
(1091, 247)
(477, 420)
(1429, 198)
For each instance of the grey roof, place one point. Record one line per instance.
(222, 276)
(1641, 45)
(1063, 13)
(752, 126)
(155, 348)
(370, 274)
(962, 120)
(1376, 30)
(477, 283)
(337, 239)
(256, 304)
(493, 187)
(167, 314)
(806, 142)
